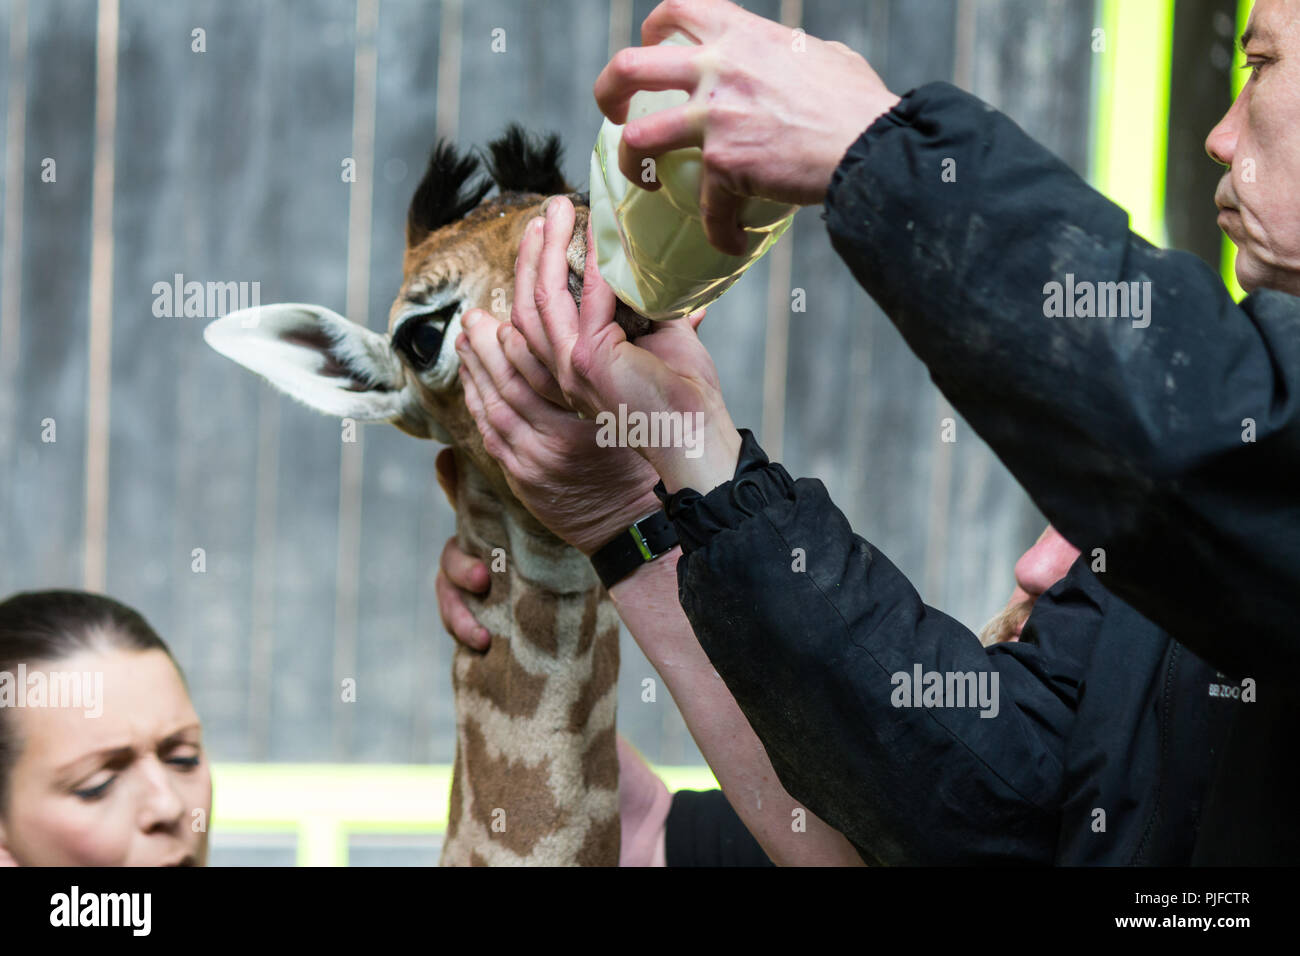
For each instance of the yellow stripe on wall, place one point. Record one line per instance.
(1238, 78)
(1131, 110)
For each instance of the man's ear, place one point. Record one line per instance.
(323, 360)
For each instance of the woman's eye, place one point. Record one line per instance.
(94, 793)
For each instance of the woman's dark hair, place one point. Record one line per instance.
(49, 626)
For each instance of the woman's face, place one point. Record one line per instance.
(127, 787)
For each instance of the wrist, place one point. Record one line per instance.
(709, 463)
(617, 522)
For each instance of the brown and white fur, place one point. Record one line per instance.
(536, 772)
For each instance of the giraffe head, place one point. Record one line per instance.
(460, 254)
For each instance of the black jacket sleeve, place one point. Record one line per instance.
(1131, 434)
(809, 627)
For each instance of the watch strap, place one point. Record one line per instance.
(645, 540)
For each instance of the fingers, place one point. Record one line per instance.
(598, 299)
(551, 294)
(663, 130)
(493, 443)
(497, 422)
(498, 383)
(523, 313)
(459, 572)
(643, 68)
(702, 20)
(456, 617)
(525, 363)
(464, 570)
(445, 465)
(721, 212)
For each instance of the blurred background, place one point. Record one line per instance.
(146, 140)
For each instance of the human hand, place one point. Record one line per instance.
(459, 572)
(591, 365)
(585, 493)
(753, 83)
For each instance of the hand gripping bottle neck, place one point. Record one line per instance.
(651, 246)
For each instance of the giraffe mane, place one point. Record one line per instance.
(517, 164)
(446, 193)
(520, 163)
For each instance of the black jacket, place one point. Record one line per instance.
(1103, 739)
(1129, 438)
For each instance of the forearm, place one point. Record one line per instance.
(648, 604)
(1145, 412)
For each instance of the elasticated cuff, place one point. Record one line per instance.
(756, 482)
(903, 114)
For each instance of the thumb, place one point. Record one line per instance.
(695, 318)
(598, 299)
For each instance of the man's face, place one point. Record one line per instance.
(1259, 141)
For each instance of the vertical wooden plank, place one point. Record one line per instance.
(859, 406)
(404, 708)
(182, 466)
(13, 123)
(43, 497)
(245, 139)
(311, 137)
(100, 335)
(1032, 60)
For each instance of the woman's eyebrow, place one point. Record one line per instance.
(176, 735)
(98, 756)
(125, 750)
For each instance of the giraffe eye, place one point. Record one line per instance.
(426, 342)
(419, 337)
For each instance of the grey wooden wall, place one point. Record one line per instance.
(225, 165)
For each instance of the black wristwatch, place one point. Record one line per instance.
(645, 540)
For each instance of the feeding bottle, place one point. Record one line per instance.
(651, 247)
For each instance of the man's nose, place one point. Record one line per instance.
(1045, 563)
(1221, 144)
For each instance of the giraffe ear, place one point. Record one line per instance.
(323, 360)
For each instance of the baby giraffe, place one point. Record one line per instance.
(536, 773)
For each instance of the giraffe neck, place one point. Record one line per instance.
(536, 773)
